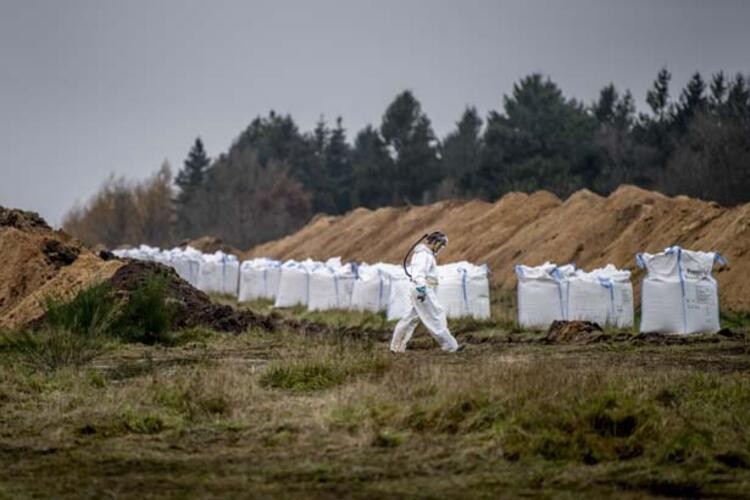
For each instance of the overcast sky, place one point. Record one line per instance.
(93, 87)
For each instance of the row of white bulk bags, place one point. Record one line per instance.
(294, 283)
(679, 294)
(541, 294)
(464, 290)
(259, 279)
(603, 296)
(399, 299)
(371, 291)
(331, 286)
(219, 273)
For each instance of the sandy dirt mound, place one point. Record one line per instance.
(193, 307)
(37, 263)
(587, 229)
(210, 244)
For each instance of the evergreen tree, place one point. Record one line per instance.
(540, 141)
(372, 169)
(604, 108)
(190, 180)
(462, 153)
(658, 97)
(654, 133)
(338, 168)
(613, 138)
(277, 138)
(718, 90)
(408, 134)
(738, 99)
(692, 101)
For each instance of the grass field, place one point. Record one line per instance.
(263, 414)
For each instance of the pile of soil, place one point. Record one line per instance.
(20, 219)
(573, 332)
(587, 229)
(192, 307)
(210, 244)
(37, 263)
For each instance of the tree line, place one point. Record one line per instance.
(275, 177)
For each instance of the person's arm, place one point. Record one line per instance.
(420, 263)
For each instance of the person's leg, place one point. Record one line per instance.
(404, 330)
(434, 319)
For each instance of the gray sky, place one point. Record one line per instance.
(92, 87)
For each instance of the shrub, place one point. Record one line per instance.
(89, 313)
(147, 315)
(50, 349)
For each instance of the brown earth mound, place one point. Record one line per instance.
(587, 229)
(37, 263)
(21, 219)
(210, 244)
(573, 332)
(193, 307)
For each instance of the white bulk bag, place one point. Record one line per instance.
(323, 294)
(332, 287)
(541, 292)
(464, 290)
(346, 277)
(399, 299)
(371, 290)
(679, 293)
(219, 273)
(259, 279)
(192, 258)
(294, 284)
(620, 289)
(587, 298)
(181, 266)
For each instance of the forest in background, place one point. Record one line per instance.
(275, 177)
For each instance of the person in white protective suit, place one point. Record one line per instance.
(424, 305)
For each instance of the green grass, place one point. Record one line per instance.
(324, 369)
(73, 332)
(50, 349)
(331, 413)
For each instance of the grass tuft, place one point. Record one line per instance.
(146, 316)
(49, 349)
(323, 370)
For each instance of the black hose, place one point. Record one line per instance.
(406, 257)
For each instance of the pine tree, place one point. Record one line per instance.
(407, 132)
(658, 97)
(541, 140)
(338, 167)
(692, 102)
(190, 180)
(718, 90)
(462, 152)
(372, 170)
(604, 108)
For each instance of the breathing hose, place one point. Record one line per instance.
(406, 257)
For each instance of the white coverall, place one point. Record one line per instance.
(424, 273)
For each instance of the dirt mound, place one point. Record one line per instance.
(573, 332)
(20, 219)
(38, 262)
(210, 244)
(587, 229)
(193, 307)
